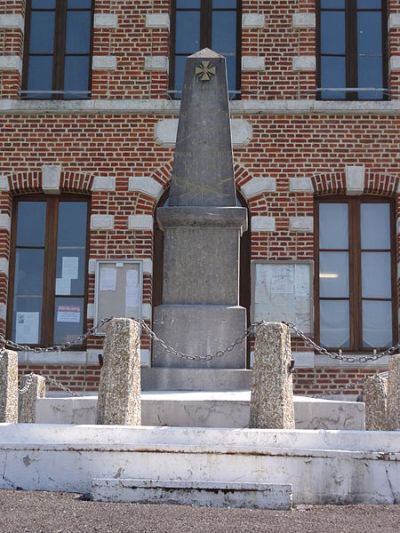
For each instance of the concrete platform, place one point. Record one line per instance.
(206, 409)
(195, 379)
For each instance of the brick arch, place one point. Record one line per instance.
(31, 182)
(381, 184)
(374, 183)
(329, 183)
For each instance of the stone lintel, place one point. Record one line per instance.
(235, 217)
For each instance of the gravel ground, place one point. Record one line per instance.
(37, 512)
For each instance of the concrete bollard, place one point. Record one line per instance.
(393, 400)
(9, 387)
(271, 404)
(27, 401)
(374, 396)
(119, 391)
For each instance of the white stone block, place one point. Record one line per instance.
(4, 265)
(145, 358)
(5, 222)
(394, 63)
(146, 185)
(103, 184)
(156, 63)
(304, 359)
(258, 186)
(300, 185)
(90, 311)
(262, 223)
(102, 222)
(11, 63)
(147, 266)
(253, 64)
(12, 21)
(304, 63)
(253, 20)
(304, 20)
(92, 266)
(141, 222)
(157, 20)
(3, 311)
(147, 311)
(104, 63)
(394, 21)
(303, 224)
(4, 184)
(165, 132)
(51, 178)
(355, 177)
(105, 20)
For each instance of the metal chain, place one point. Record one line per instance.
(339, 356)
(28, 383)
(59, 385)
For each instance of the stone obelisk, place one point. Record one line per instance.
(202, 225)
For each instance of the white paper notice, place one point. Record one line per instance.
(132, 277)
(27, 328)
(63, 286)
(69, 313)
(132, 294)
(70, 267)
(108, 279)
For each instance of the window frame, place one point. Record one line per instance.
(205, 42)
(60, 26)
(351, 53)
(354, 250)
(50, 264)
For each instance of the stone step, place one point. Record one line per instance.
(204, 493)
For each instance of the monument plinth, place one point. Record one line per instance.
(202, 226)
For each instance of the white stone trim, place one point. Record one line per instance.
(101, 222)
(12, 22)
(105, 20)
(303, 21)
(301, 224)
(304, 359)
(241, 131)
(5, 222)
(147, 311)
(145, 357)
(104, 63)
(4, 266)
(147, 266)
(262, 223)
(157, 21)
(90, 311)
(103, 184)
(394, 63)
(146, 185)
(141, 222)
(51, 178)
(304, 63)
(253, 21)
(253, 63)
(394, 21)
(3, 311)
(11, 63)
(92, 266)
(300, 185)
(4, 184)
(258, 186)
(355, 179)
(156, 64)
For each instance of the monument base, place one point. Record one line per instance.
(216, 327)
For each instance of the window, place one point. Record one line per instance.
(356, 308)
(48, 283)
(352, 42)
(198, 24)
(57, 60)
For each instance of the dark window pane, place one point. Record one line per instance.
(375, 226)
(223, 39)
(43, 4)
(333, 76)
(376, 275)
(334, 323)
(41, 39)
(40, 75)
(193, 4)
(221, 4)
(29, 272)
(333, 226)
(369, 4)
(369, 26)
(76, 76)
(377, 324)
(187, 32)
(333, 4)
(68, 319)
(72, 224)
(31, 223)
(333, 25)
(78, 32)
(79, 4)
(180, 63)
(370, 75)
(26, 323)
(231, 67)
(334, 274)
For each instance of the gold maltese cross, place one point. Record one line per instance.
(204, 71)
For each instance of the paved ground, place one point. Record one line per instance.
(46, 512)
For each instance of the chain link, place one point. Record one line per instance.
(28, 383)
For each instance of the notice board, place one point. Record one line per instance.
(282, 291)
(118, 289)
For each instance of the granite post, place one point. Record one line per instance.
(202, 226)
(271, 404)
(8, 387)
(393, 400)
(27, 400)
(119, 390)
(374, 396)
